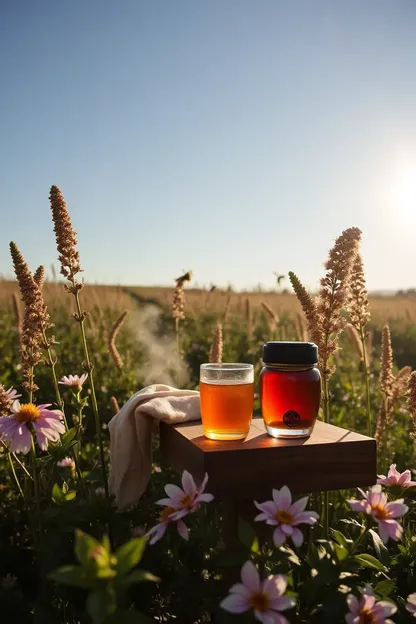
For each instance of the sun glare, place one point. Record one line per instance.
(405, 196)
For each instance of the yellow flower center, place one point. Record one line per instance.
(284, 517)
(187, 500)
(380, 512)
(27, 413)
(165, 513)
(366, 617)
(259, 602)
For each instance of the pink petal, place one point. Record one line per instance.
(42, 441)
(180, 513)
(397, 509)
(352, 619)
(352, 603)
(383, 532)
(269, 617)
(175, 493)
(287, 529)
(268, 507)
(239, 588)
(203, 484)
(182, 529)
(282, 498)
(395, 529)
(188, 483)
(250, 576)
(204, 498)
(367, 602)
(282, 603)
(166, 502)
(158, 532)
(388, 607)
(279, 537)
(306, 517)
(357, 505)
(21, 442)
(297, 537)
(235, 603)
(299, 505)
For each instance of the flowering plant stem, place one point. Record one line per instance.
(178, 350)
(367, 382)
(36, 487)
(81, 320)
(326, 419)
(12, 468)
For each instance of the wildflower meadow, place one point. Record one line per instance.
(72, 354)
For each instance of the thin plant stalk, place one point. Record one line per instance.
(178, 350)
(16, 478)
(30, 392)
(326, 419)
(36, 487)
(81, 319)
(367, 383)
(59, 400)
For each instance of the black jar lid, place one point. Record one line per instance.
(290, 352)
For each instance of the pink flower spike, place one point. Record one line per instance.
(395, 477)
(187, 500)
(374, 504)
(46, 425)
(266, 597)
(73, 381)
(411, 604)
(366, 609)
(285, 516)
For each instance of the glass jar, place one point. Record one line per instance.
(290, 388)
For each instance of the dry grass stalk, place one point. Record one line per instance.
(333, 294)
(386, 383)
(308, 306)
(18, 316)
(112, 340)
(272, 318)
(66, 237)
(35, 319)
(369, 348)
(300, 328)
(178, 304)
(215, 354)
(227, 310)
(357, 304)
(114, 405)
(411, 402)
(39, 276)
(249, 318)
(355, 339)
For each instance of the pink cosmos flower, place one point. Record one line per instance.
(411, 604)
(73, 381)
(66, 462)
(264, 597)
(368, 610)
(167, 517)
(374, 503)
(16, 428)
(180, 503)
(185, 501)
(285, 516)
(395, 477)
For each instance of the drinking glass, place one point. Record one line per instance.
(227, 398)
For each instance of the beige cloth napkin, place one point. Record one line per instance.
(131, 436)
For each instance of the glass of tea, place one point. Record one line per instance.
(227, 398)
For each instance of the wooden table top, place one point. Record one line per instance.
(331, 458)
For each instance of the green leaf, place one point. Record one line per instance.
(339, 537)
(138, 576)
(100, 605)
(368, 561)
(84, 545)
(247, 535)
(68, 436)
(385, 588)
(381, 551)
(70, 495)
(58, 496)
(74, 576)
(129, 555)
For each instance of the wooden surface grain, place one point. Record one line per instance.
(331, 458)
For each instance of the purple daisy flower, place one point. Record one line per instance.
(24, 419)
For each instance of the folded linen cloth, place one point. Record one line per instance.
(131, 436)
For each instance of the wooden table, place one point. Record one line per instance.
(330, 459)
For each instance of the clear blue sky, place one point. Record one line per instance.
(231, 137)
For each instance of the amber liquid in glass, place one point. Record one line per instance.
(226, 409)
(290, 401)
